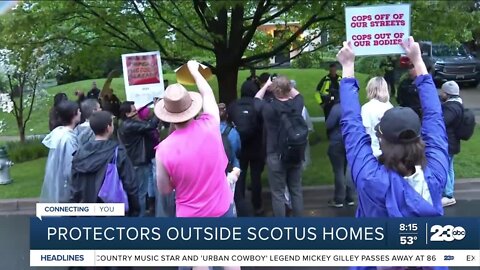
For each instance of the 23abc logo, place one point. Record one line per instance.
(447, 233)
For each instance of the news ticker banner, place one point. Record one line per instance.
(120, 241)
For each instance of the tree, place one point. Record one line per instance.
(25, 65)
(24, 71)
(224, 32)
(180, 30)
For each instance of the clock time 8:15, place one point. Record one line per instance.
(410, 227)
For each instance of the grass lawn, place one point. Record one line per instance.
(28, 176)
(307, 80)
(27, 180)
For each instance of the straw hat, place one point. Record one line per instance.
(178, 105)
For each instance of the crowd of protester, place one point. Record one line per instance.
(396, 161)
(213, 153)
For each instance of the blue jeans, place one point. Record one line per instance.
(142, 175)
(152, 182)
(450, 186)
(164, 203)
(231, 212)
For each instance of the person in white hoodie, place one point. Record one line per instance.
(372, 111)
(62, 143)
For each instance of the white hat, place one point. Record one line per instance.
(451, 88)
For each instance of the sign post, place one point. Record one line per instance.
(143, 77)
(377, 30)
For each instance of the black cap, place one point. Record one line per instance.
(400, 125)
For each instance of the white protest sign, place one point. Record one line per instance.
(143, 77)
(376, 30)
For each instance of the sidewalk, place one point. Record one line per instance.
(315, 199)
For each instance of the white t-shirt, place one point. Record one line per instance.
(372, 112)
(418, 183)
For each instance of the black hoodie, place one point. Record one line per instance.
(88, 171)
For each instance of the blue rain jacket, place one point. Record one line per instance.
(382, 192)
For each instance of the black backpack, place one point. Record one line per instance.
(246, 119)
(292, 135)
(466, 127)
(228, 147)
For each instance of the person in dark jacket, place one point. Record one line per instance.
(336, 152)
(135, 135)
(53, 119)
(452, 114)
(388, 66)
(409, 177)
(407, 95)
(145, 114)
(111, 103)
(90, 163)
(241, 112)
(94, 92)
(279, 174)
(329, 83)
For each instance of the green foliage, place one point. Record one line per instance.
(317, 59)
(303, 61)
(444, 21)
(29, 150)
(370, 65)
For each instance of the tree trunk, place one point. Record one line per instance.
(21, 130)
(227, 78)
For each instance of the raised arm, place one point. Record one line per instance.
(357, 142)
(261, 93)
(209, 103)
(433, 125)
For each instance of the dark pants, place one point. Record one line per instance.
(338, 159)
(142, 174)
(390, 79)
(249, 157)
(327, 107)
(279, 176)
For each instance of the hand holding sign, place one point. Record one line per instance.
(412, 49)
(186, 71)
(193, 66)
(346, 56)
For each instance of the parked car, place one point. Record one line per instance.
(451, 63)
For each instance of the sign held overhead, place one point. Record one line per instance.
(143, 77)
(377, 30)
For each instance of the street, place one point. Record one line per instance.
(471, 100)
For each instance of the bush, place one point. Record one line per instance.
(370, 65)
(303, 61)
(29, 150)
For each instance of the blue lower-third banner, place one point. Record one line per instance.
(117, 241)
